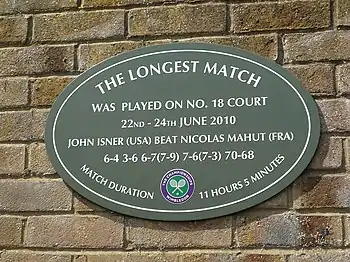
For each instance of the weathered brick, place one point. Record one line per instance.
(229, 256)
(320, 231)
(80, 258)
(45, 90)
(34, 195)
(39, 117)
(38, 159)
(81, 204)
(23, 125)
(116, 3)
(79, 26)
(11, 231)
(134, 257)
(329, 154)
(92, 54)
(322, 192)
(335, 115)
(347, 153)
(15, 125)
(36, 60)
(178, 19)
(74, 231)
(280, 15)
(19, 6)
(343, 12)
(347, 231)
(316, 78)
(288, 230)
(343, 79)
(151, 234)
(13, 29)
(259, 258)
(265, 45)
(169, 256)
(159, 42)
(331, 256)
(328, 45)
(278, 201)
(21, 256)
(13, 92)
(12, 159)
(273, 230)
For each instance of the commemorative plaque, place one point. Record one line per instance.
(182, 131)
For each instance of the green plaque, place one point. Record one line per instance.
(182, 131)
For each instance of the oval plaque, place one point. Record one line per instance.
(182, 131)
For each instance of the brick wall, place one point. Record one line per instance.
(45, 44)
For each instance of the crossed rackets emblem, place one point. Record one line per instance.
(178, 185)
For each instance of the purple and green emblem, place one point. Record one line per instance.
(177, 186)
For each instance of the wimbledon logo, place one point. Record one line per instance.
(177, 186)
